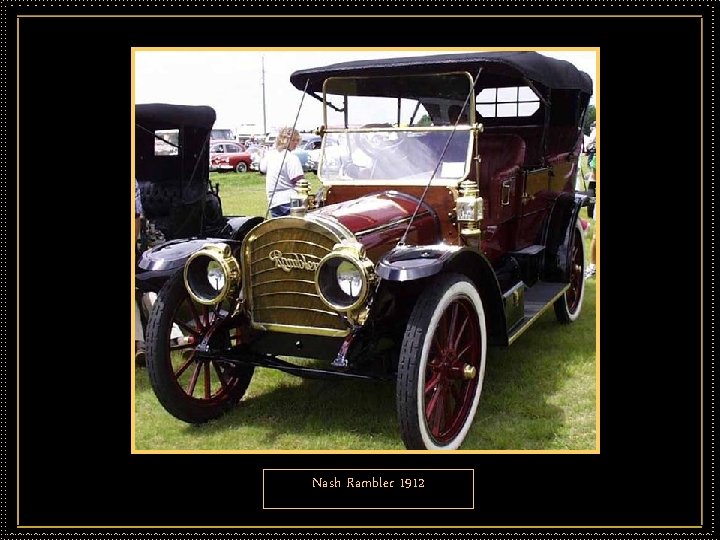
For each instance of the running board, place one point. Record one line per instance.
(538, 298)
(530, 250)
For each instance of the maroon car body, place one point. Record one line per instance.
(433, 236)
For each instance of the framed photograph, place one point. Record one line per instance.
(362, 279)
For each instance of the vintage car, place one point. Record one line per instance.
(229, 156)
(173, 182)
(307, 145)
(317, 150)
(428, 242)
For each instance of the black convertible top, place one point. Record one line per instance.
(164, 115)
(174, 186)
(499, 69)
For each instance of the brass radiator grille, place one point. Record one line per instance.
(280, 257)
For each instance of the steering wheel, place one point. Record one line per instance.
(375, 145)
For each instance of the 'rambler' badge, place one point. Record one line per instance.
(291, 261)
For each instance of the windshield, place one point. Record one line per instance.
(399, 128)
(395, 155)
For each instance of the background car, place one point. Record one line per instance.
(178, 201)
(229, 156)
(332, 153)
(222, 134)
(304, 151)
(256, 154)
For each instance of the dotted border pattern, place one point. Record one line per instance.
(711, 179)
(527, 4)
(4, 312)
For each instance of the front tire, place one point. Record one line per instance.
(191, 388)
(241, 167)
(568, 306)
(442, 365)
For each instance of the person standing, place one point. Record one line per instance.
(139, 331)
(592, 187)
(283, 170)
(138, 211)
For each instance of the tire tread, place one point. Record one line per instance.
(410, 355)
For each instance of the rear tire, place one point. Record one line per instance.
(442, 365)
(569, 305)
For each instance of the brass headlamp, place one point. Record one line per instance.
(469, 209)
(212, 274)
(343, 277)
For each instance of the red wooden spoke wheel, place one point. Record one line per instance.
(568, 306)
(190, 386)
(442, 364)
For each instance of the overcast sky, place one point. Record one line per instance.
(230, 81)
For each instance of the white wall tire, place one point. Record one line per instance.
(569, 305)
(442, 365)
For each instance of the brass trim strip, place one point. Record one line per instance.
(289, 240)
(307, 330)
(310, 281)
(294, 293)
(333, 313)
(332, 225)
(532, 319)
(307, 224)
(460, 127)
(258, 272)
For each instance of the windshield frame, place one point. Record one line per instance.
(472, 127)
(470, 108)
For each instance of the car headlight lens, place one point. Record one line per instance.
(342, 278)
(215, 275)
(212, 274)
(349, 278)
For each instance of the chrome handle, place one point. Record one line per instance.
(505, 193)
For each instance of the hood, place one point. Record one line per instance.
(380, 219)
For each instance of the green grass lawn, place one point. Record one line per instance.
(539, 394)
(244, 194)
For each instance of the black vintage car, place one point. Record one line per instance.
(447, 222)
(173, 182)
(172, 171)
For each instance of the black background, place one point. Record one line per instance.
(75, 462)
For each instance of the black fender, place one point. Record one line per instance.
(238, 227)
(158, 264)
(559, 235)
(410, 263)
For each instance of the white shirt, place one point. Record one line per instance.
(285, 178)
(590, 139)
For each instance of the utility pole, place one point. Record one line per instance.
(262, 60)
